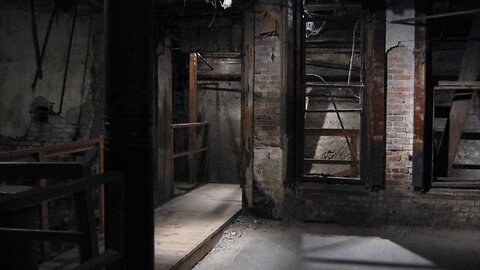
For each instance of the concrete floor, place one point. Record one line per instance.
(261, 244)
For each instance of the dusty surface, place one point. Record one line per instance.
(252, 243)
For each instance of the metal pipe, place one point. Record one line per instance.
(70, 43)
(353, 53)
(436, 16)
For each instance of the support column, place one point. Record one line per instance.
(248, 74)
(373, 114)
(129, 124)
(423, 106)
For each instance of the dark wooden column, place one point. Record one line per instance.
(129, 123)
(374, 108)
(248, 73)
(423, 105)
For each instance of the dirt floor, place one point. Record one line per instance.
(252, 243)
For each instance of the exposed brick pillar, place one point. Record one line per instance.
(268, 103)
(400, 84)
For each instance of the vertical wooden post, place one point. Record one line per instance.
(248, 73)
(423, 107)
(171, 152)
(192, 115)
(101, 188)
(354, 164)
(45, 223)
(374, 107)
(130, 126)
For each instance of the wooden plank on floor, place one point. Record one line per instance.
(187, 227)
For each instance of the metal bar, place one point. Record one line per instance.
(36, 44)
(204, 60)
(185, 125)
(69, 53)
(318, 178)
(44, 46)
(436, 16)
(190, 152)
(332, 132)
(101, 189)
(323, 64)
(42, 235)
(219, 89)
(335, 111)
(327, 161)
(456, 88)
(322, 85)
(459, 83)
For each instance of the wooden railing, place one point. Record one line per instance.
(353, 136)
(192, 148)
(81, 189)
(44, 153)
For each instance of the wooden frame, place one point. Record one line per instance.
(43, 153)
(87, 236)
(192, 148)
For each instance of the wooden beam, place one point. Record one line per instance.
(248, 74)
(373, 130)
(192, 98)
(39, 170)
(190, 152)
(51, 150)
(36, 196)
(422, 160)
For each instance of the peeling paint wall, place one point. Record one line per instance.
(82, 106)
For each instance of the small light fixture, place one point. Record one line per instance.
(226, 4)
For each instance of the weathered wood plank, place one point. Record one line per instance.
(187, 227)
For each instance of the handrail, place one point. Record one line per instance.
(55, 191)
(43, 153)
(51, 150)
(189, 152)
(86, 236)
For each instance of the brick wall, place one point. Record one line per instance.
(399, 122)
(57, 130)
(268, 99)
(398, 203)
